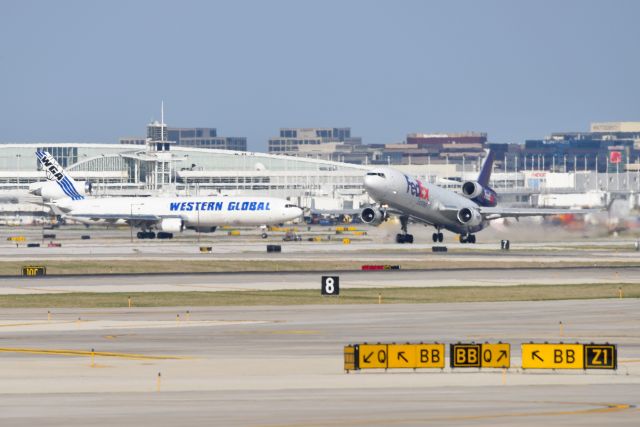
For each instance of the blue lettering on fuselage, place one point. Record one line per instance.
(218, 206)
(195, 206)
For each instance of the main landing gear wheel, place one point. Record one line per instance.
(146, 235)
(437, 237)
(469, 238)
(404, 237)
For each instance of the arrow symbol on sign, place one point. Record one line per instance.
(401, 356)
(367, 357)
(534, 355)
(503, 355)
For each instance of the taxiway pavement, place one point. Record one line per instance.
(282, 366)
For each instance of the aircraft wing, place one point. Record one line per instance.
(496, 212)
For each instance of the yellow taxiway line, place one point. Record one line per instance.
(60, 352)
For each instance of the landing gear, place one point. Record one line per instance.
(437, 237)
(404, 237)
(146, 235)
(264, 235)
(467, 238)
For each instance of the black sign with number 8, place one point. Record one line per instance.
(330, 285)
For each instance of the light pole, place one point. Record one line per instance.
(18, 172)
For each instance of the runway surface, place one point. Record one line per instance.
(282, 366)
(311, 280)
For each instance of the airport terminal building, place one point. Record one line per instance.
(162, 167)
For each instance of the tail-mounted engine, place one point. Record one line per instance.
(373, 216)
(483, 196)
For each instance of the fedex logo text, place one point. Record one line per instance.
(417, 189)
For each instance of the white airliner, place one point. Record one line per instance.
(164, 214)
(406, 197)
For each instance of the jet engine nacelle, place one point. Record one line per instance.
(484, 196)
(50, 190)
(469, 217)
(172, 225)
(373, 216)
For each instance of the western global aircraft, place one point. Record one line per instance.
(164, 214)
(396, 193)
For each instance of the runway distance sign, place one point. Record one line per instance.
(34, 271)
(600, 356)
(330, 285)
(552, 356)
(372, 356)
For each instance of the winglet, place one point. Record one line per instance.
(56, 174)
(485, 171)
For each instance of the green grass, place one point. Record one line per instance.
(61, 267)
(309, 297)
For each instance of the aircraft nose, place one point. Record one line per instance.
(294, 212)
(373, 183)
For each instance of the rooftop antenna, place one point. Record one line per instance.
(161, 120)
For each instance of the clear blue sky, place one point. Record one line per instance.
(94, 71)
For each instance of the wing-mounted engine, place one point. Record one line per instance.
(373, 215)
(469, 217)
(171, 225)
(483, 196)
(50, 190)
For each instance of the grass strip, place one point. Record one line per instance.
(312, 297)
(80, 267)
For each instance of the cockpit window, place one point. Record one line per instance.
(380, 174)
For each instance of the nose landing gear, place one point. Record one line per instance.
(437, 237)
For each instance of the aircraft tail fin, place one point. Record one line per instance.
(485, 171)
(56, 174)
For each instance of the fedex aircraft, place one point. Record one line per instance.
(464, 214)
(164, 214)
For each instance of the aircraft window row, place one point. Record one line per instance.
(380, 174)
(290, 206)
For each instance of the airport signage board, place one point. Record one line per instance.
(600, 356)
(552, 356)
(330, 285)
(395, 356)
(401, 356)
(372, 356)
(465, 355)
(487, 355)
(34, 271)
(429, 356)
(495, 355)
(349, 358)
